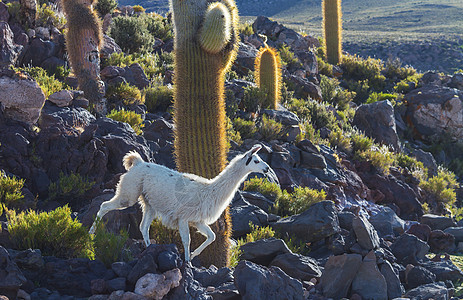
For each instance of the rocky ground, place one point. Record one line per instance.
(370, 238)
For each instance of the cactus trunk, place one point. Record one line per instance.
(202, 56)
(332, 25)
(268, 76)
(83, 41)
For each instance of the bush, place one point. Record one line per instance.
(69, 187)
(47, 83)
(261, 185)
(412, 165)
(110, 247)
(138, 8)
(158, 97)
(232, 134)
(395, 72)
(48, 16)
(154, 65)
(339, 140)
(158, 26)
(375, 97)
(253, 98)
(126, 93)
(105, 7)
(164, 235)
(380, 157)
(270, 129)
(360, 142)
(324, 68)
(288, 58)
(10, 191)
(131, 34)
(310, 133)
(246, 28)
(129, 117)
(441, 187)
(334, 94)
(55, 233)
(247, 129)
(298, 201)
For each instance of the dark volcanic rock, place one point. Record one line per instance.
(394, 287)
(257, 282)
(437, 222)
(408, 249)
(457, 232)
(263, 251)
(366, 234)
(418, 276)
(317, 222)
(436, 291)
(11, 277)
(189, 288)
(297, 266)
(369, 282)
(338, 275)
(242, 215)
(9, 51)
(213, 276)
(386, 222)
(440, 241)
(444, 270)
(421, 231)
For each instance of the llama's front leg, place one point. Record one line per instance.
(206, 231)
(105, 207)
(148, 217)
(184, 231)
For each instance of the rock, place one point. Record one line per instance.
(338, 274)
(440, 241)
(257, 282)
(50, 64)
(23, 99)
(156, 286)
(189, 288)
(122, 269)
(394, 287)
(283, 116)
(263, 251)
(116, 284)
(245, 59)
(308, 60)
(237, 86)
(4, 14)
(98, 286)
(435, 291)
(61, 98)
(42, 32)
(437, 222)
(109, 47)
(144, 265)
(366, 234)
(111, 72)
(421, 231)
(435, 111)
(244, 214)
(427, 159)
(345, 219)
(408, 249)
(168, 260)
(212, 276)
(297, 266)
(38, 51)
(312, 160)
(305, 88)
(135, 75)
(457, 232)
(258, 200)
(444, 270)
(386, 222)
(11, 277)
(317, 222)
(28, 259)
(369, 282)
(377, 121)
(418, 276)
(456, 82)
(9, 51)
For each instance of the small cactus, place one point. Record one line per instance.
(268, 75)
(332, 25)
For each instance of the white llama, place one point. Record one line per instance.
(180, 199)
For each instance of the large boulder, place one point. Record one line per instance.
(369, 282)
(408, 249)
(297, 266)
(245, 58)
(367, 236)
(435, 111)
(263, 251)
(436, 291)
(437, 222)
(258, 282)
(338, 275)
(23, 99)
(444, 270)
(156, 286)
(386, 222)
(9, 50)
(11, 277)
(394, 287)
(377, 121)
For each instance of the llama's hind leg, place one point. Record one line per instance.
(184, 231)
(148, 217)
(115, 203)
(206, 231)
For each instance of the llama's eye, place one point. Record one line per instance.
(256, 161)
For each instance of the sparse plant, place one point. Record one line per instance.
(441, 187)
(105, 7)
(288, 58)
(110, 247)
(69, 187)
(138, 8)
(126, 93)
(130, 117)
(158, 26)
(232, 134)
(360, 142)
(340, 141)
(375, 97)
(246, 28)
(48, 84)
(324, 68)
(298, 201)
(394, 71)
(246, 128)
(10, 191)
(252, 99)
(270, 129)
(158, 97)
(381, 157)
(48, 16)
(131, 34)
(269, 189)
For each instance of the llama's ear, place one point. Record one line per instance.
(256, 148)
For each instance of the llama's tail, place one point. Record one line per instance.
(131, 159)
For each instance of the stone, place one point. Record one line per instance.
(9, 50)
(283, 116)
(38, 51)
(305, 88)
(258, 282)
(437, 222)
(28, 259)
(111, 72)
(378, 122)
(435, 111)
(444, 270)
(98, 286)
(116, 284)
(4, 14)
(421, 231)
(297, 266)
(23, 99)
(345, 219)
(386, 222)
(366, 234)
(109, 47)
(144, 265)
(122, 269)
(263, 251)
(135, 75)
(245, 58)
(62, 98)
(369, 282)
(317, 222)
(419, 276)
(457, 232)
(11, 277)
(189, 288)
(312, 160)
(408, 249)
(440, 241)
(156, 286)
(338, 275)
(244, 214)
(435, 291)
(258, 200)
(168, 260)
(394, 287)
(457, 81)
(42, 32)
(213, 277)
(427, 159)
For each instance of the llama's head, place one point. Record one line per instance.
(252, 161)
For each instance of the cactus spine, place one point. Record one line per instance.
(206, 43)
(83, 40)
(332, 24)
(268, 75)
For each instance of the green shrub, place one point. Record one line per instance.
(393, 70)
(288, 58)
(164, 235)
(131, 34)
(252, 98)
(10, 191)
(310, 133)
(324, 68)
(340, 140)
(138, 8)
(154, 65)
(246, 28)
(105, 7)
(441, 187)
(124, 92)
(54, 233)
(158, 97)
(270, 129)
(158, 26)
(110, 247)
(404, 86)
(129, 117)
(315, 112)
(375, 97)
(361, 88)
(232, 134)
(298, 201)
(332, 93)
(380, 157)
(48, 16)
(69, 187)
(358, 68)
(247, 129)
(261, 185)
(47, 83)
(360, 142)
(412, 165)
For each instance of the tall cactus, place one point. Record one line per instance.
(332, 25)
(206, 43)
(83, 40)
(268, 75)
